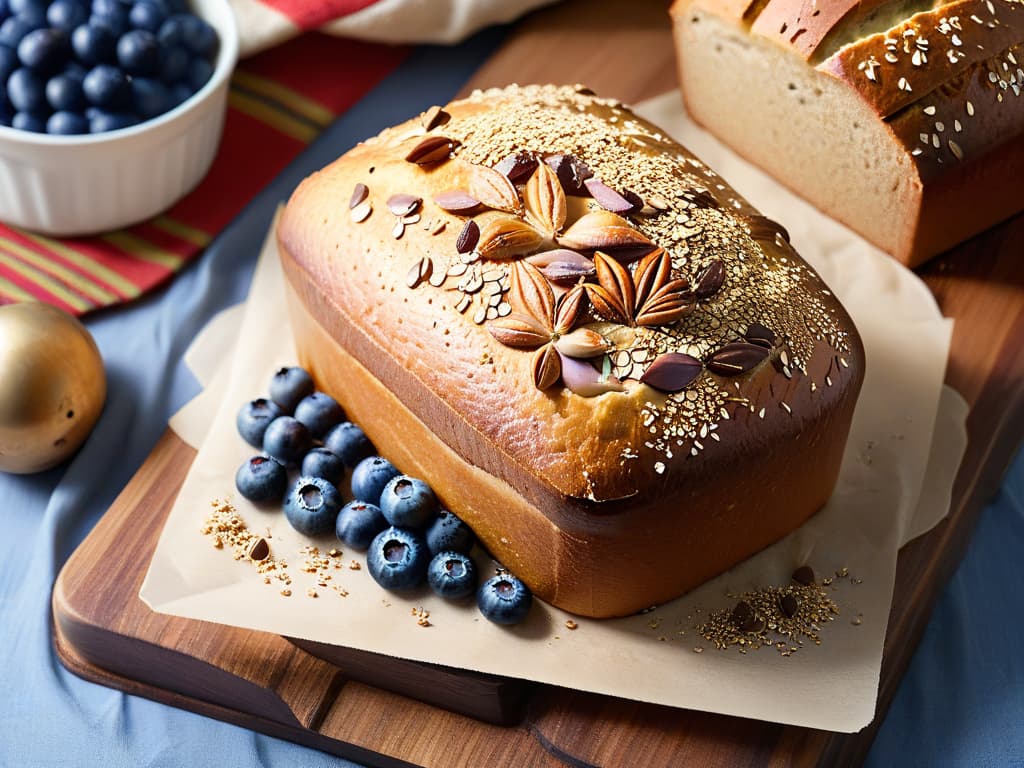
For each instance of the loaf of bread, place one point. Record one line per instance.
(903, 119)
(604, 360)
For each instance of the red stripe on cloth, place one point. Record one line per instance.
(36, 290)
(333, 72)
(317, 67)
(309, 15)
(55, 257)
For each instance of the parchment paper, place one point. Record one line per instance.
(877, 506)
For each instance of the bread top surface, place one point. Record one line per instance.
(947, 76)
(478, 330)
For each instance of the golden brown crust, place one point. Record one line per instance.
(618, 469)
(894, 69)
(802, 25)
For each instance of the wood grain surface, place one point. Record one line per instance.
(104, 633)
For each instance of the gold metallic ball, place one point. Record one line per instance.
(52, 386)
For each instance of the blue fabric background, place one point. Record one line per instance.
(962, 702)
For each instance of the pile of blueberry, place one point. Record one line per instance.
(407, 537)
(90, 66)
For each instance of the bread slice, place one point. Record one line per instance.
(901, 120)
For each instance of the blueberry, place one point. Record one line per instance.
(287, 440)
(26, 121)
(369, 478)
(199, 36)
(45, 50)
(107, 87)
(199, 72)
(102, 121)
(66, 123)
(138, 52)
(150, 97)
(173, 63)
(64, 92)
(504, 599)
(358, 522)
(14, 29)
(27, 91)
(66, 14)
(180, 93)
(320, 462)
(311, 506)
(33, 11)
(94, 44)
(448, 533)
(319, 412)
(407, 502)
(6, 111)
(111, 14)
(349, 442)
(261, 479)
(397, 559)
(8, 62)
(148, 15)
(172, 31)
(253, 419)
(289, 385)
(452, 575)
(27, 6)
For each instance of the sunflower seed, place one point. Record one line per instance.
(358, 195)
(361, 212)
(403, 204)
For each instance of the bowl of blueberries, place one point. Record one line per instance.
(111, 111)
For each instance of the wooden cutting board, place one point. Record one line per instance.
(339, 701)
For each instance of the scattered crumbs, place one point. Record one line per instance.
(486, 359)
(558, 637)
(311, 593)
(385, 603)
(227, 528)
(286, 592)
(570, 624)
(340, 590)
(654, 623)
(698, 649)
(662, 639)
(784, 618)
(354, 566)
(422, 616)
(857, 620)
(334, 553)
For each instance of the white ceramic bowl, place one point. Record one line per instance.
(78, 185)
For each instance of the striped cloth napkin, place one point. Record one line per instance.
(275, 108)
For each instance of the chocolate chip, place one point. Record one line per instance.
(736, 358)
(788, 605)
(745, 620)
(672, 372)
(468, 237)
(710, 280)
(258, 549)
(804, 575)
(760, 335)
(571, 172)
(517, 167)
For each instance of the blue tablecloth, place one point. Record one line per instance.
(962, 702)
